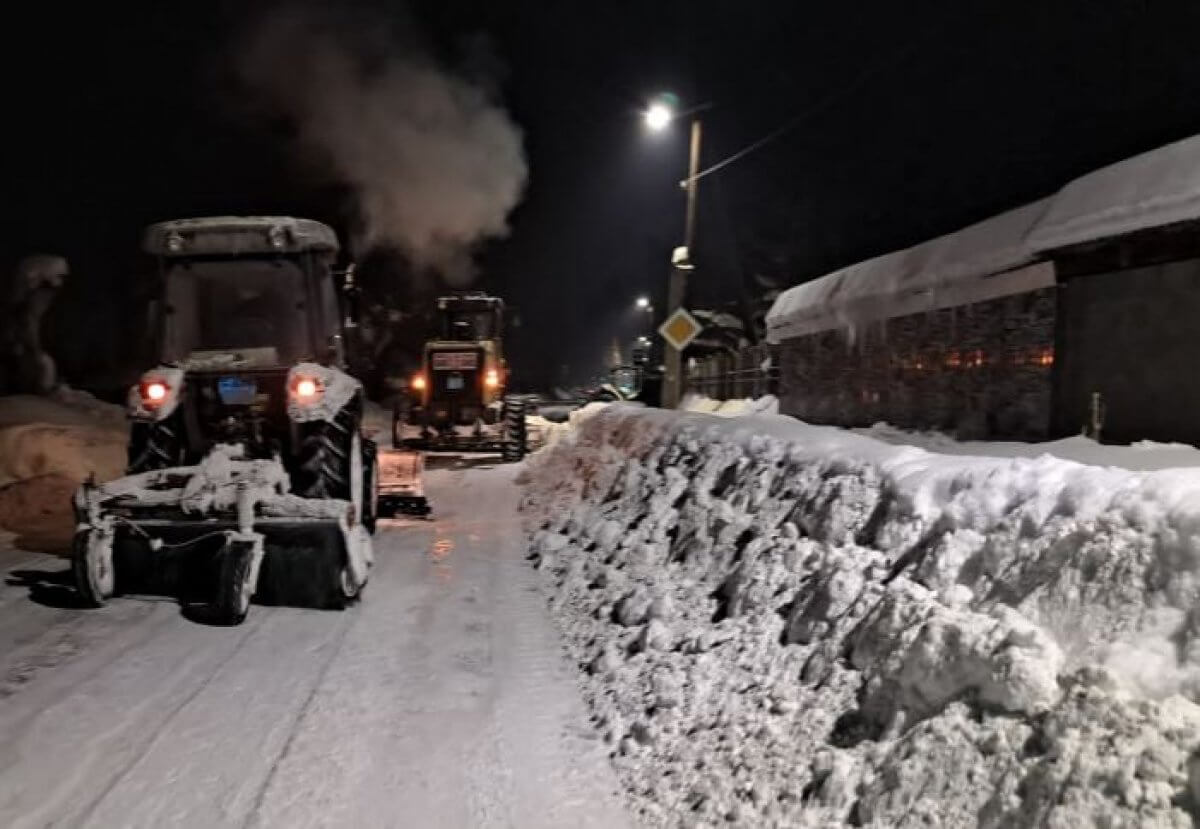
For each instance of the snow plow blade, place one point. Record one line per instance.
(401, 483)
(218, 534)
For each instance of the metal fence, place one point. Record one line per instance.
(751, 372)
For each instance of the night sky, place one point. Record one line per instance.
(909, 120)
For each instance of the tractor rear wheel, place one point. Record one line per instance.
(515, 435)
(323, 466)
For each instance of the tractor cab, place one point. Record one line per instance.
(255, 292)
(249, 334)
(470, 318)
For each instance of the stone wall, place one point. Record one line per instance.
(977, 371)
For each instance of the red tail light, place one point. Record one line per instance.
(154, 392)
(306, 389)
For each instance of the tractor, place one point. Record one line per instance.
(457, 400)
(248, 470)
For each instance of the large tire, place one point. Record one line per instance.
(323, 458)
(234, 589)
(515, 435)
(95, 581)
(156, 445)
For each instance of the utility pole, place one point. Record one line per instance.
(677, 286)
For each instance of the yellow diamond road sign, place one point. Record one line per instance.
(679, 329)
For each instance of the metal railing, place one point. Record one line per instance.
(751, 372)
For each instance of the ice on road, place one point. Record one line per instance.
(443, 699)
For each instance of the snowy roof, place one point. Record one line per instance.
(1154, 189)
(1000, 255)
(215, 235)
(949, 270)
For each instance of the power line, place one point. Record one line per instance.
(820, 105)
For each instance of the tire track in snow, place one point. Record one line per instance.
(163, 726)
(447, 711)
(102, 717)
(436, 701)
(253, 814)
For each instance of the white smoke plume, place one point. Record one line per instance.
(434, 162)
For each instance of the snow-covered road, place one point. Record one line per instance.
(443, 699)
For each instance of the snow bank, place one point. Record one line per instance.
(1143, 455)
(71, 434)
(48, 445)
(786, 624)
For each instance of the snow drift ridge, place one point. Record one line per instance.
(782, 623)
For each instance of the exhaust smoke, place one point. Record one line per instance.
(434, 162)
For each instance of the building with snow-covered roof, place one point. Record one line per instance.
(1023, 325)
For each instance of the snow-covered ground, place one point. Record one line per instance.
(781, 624)
(443, 699)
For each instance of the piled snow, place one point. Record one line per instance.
(545, 433)
(767, 404)
(71, 435)
(786, 624)
(1144, 455)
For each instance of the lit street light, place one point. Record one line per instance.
(658, 116)
(643, 303)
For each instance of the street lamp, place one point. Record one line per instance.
(643, 303)
(658, 115)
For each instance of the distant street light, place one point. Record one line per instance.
(643, 302)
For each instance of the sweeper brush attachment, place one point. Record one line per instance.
(217, 534)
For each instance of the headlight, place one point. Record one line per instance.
(492, 378)
(418, 382)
